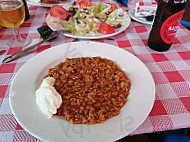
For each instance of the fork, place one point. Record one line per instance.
(53, 35)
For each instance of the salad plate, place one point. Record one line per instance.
(85, 23)
(23, 104)
(41, 4)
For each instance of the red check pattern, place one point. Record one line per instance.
(170, 70)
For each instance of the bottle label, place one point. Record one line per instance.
(170, 26)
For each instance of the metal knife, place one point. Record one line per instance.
(26, 50)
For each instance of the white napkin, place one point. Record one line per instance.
(144, 11)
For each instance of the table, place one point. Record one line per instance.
(170, 71)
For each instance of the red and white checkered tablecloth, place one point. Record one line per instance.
(171, 72)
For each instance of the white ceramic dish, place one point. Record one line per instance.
(27, 80)
(58, 26)
(140, 20)
(36, 3)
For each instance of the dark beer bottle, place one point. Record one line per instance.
(165, 25)
(27, 14)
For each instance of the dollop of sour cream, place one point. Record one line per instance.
(47, 98)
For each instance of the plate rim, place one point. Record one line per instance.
(48, 5)
(30, 60)
(136, 19)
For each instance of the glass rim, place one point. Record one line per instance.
(10, 9)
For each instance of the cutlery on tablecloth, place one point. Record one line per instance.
(53, 35)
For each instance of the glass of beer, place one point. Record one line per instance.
(12, 14)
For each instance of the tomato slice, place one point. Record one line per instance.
(106, 28)
(58, 11)
(84, 3)
(112, 8)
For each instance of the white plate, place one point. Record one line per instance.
(35, 3)
(135, 111)
(57, 26)
(140, 20)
